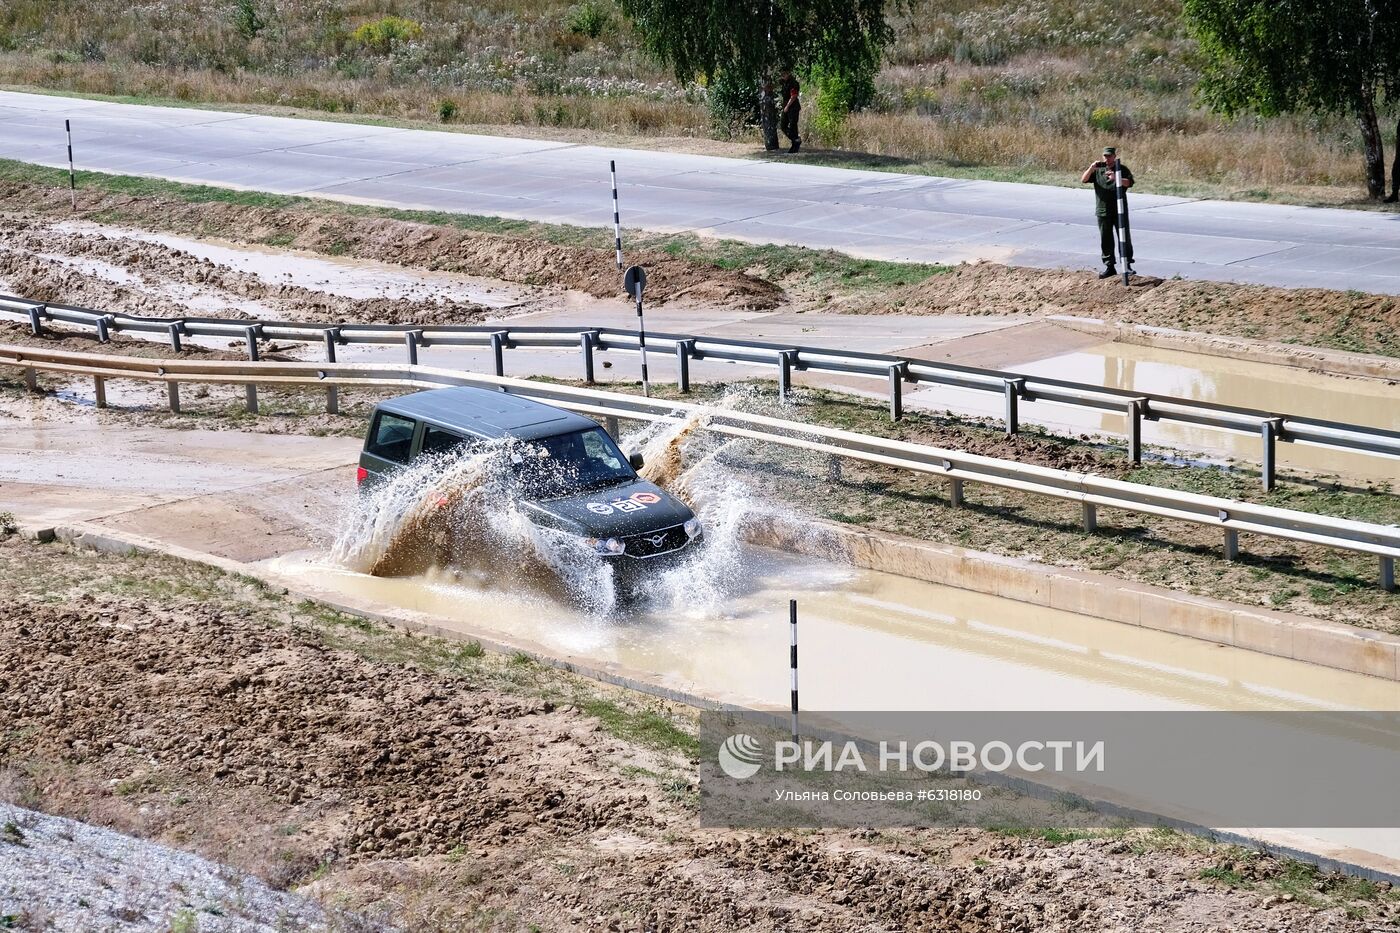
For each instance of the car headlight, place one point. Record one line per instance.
(605, 545)
(692, 528)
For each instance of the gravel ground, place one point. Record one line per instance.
(61, 874)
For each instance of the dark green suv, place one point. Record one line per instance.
(565, 471)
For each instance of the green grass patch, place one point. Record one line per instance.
(645, 726)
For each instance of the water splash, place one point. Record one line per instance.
(452, 515)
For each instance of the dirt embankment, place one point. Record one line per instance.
(520, 259)
(434, 789)
(40, 264)
(1355, 321)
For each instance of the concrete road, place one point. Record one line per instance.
(874, 214)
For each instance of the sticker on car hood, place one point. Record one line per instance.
(637, 502)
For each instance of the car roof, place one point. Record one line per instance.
(487, 413)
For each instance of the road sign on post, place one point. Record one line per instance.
(634, 281)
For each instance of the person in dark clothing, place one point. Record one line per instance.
(792, 109)
(1103, 175)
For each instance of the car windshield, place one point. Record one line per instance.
(550, 467)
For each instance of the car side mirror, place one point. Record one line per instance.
(635, 459)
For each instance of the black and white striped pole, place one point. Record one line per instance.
(792, 626)
(72, 178)
(634, 280)
(617, 217)
(1125, 241)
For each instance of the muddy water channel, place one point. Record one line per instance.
(1221, 380)
(870, 641)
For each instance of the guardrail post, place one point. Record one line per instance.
(36, 319)
(99, 391)
(684, 348)
(498, 345)
(103, 325)
(175, 328)
(586, 341)
(785, 360)
(833, 469)
(610, 423)
(31, 379)
(250, 336)
(1232, 544)
(1136, 408)
(1388, 574)
(410, 340)
(955, 493)
(172, 394)
(331, 335)
(1090, 518)
(1269, 432)
(897, 374)
(1013, 388)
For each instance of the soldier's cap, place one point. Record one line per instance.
(1109, 150)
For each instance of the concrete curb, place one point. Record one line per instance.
(823, 542)
(1267, 631)
(1339, 362)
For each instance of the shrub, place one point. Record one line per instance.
(382, 35)
(588, 18)
(733, 104)
(1105, 119)
(447, 110)
(838, 94)
(246, 19)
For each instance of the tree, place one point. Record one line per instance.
(749, 40)
(1337, 57)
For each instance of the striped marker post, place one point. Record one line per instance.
(792, 626)
(72, 178)
(617, 218)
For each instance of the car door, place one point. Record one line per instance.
(388, 446)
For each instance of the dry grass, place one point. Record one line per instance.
(973, 87)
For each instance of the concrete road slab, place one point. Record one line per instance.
(780, 200)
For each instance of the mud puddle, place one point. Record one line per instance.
(350, 278)
(1240, 383)
(869, 641)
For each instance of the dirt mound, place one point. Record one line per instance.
(439, 247)
(421, 765)
(135, 276)
(991, 288)
(1346, 320)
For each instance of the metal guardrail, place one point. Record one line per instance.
(1091, 492)
(1136, 407)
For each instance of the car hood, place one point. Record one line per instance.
(625, 509)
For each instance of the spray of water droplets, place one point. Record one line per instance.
(450, 514)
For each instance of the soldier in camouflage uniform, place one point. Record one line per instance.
(1103, 175)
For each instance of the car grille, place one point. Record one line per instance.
(655, 543)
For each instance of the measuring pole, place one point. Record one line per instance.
(1125, 242)
(72, 179)
(634, 280)
(617, 219)
(792, 627)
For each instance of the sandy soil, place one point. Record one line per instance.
(1354, 321)
(428, 788)
(444, 248)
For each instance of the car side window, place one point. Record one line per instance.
(443, 441)
(392, 437)
(599, 449)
